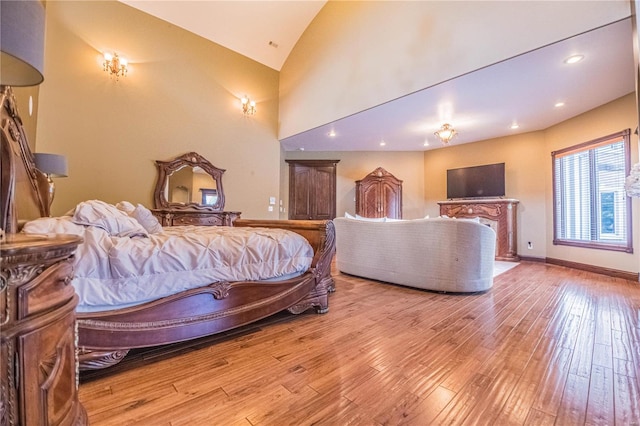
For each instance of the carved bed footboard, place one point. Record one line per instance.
(104, 338)
(321, 235)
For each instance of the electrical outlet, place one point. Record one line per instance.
(530, 245)
(270, 208)
(272, 201)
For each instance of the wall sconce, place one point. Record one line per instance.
(115, 65)
(52, 165)
(248, 106)
(446, 133)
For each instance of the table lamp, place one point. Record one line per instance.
(21, 43)
(21, 64)
(52, 165)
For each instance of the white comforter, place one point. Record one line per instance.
(117, 271)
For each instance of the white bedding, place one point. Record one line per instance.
(115, 271)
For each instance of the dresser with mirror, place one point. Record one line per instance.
(189, 192)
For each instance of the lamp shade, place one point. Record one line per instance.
(53, 165)
(21, 42)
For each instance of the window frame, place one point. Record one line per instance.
(627, 246)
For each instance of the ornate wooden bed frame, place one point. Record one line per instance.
(104, 338)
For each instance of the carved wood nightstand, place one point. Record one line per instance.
(38, 373)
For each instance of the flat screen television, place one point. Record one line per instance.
(476, 182)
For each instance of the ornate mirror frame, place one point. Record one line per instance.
(190, 159)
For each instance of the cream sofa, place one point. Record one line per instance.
(441, 254)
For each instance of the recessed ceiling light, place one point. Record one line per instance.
(301, 149)
(573, 59)
(559, 104)
(331, 134)
(383, 143)
(515, 126)
(426, 143)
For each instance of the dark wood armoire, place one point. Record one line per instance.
(312, 189)
(379, 194)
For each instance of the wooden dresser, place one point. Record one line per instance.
(175, 217)
(38, 377)
(498, 213)
(191, 174)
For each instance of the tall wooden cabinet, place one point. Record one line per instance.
(38, 372)
(379, 194)
(312, 189)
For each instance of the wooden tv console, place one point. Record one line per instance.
(498, 213)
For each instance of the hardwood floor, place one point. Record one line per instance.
(546, 345)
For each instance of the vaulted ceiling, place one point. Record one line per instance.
(489, 102)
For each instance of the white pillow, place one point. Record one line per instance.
(108, 217)
(371, 219)
(144, 216)
(471, 219)
(126, 207)
(349, 216)
(389, 219)
(53, 225)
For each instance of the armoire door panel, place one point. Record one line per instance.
(371, 201)
(312, 189)
(300, 203)
(391, 197)
(323, 204)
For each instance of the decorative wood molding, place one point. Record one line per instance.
(96, 360)
(17, 164)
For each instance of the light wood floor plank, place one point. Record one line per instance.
(600, 405)
(546, 345)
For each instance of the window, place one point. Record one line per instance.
(209, 196)
(591, 208)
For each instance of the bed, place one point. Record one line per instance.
(106, 333)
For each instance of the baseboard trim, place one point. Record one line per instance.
(533, 259)
(631, 276)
